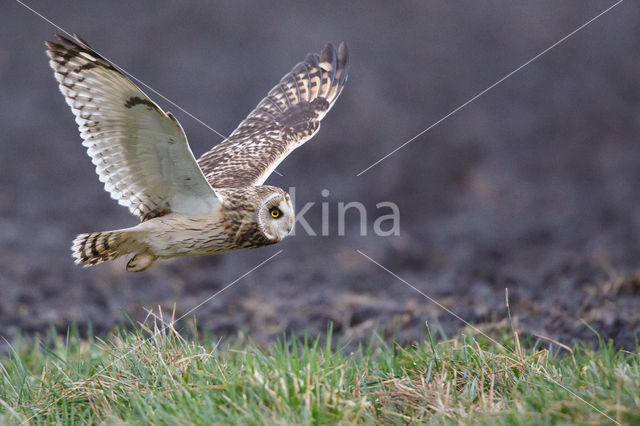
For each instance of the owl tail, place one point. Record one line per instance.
(99, 247)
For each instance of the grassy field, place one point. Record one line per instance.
(153, 375)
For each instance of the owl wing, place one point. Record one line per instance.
(288, 117)
(140, 152)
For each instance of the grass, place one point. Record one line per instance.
(153, 375)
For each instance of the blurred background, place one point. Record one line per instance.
(533, 187)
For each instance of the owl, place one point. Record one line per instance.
(141, 154)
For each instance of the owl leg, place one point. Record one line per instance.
(140, 262)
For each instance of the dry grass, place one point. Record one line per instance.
(155, 375)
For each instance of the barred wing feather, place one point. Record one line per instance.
(285, 119)
(140, 152)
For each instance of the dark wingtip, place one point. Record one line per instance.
(311, 58)
(55, 48)
(64, 38)
(56, 44)
(343, 55)
(75, 41)
(328, 53)
(343, 62)
(81, 41)
(72, 45)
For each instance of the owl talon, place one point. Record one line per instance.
(140, 262)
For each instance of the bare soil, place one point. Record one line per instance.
(533, 187)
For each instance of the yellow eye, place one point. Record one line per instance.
(275, 212)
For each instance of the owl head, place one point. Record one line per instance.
(275, 216)
(256, 216)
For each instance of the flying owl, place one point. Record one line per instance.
(187, 207)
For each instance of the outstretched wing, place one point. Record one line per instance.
(140, 152)
(288, 117)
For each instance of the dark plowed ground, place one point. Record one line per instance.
(533, 187)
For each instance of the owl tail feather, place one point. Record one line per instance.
(98, 247)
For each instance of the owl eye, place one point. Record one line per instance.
(275, 212)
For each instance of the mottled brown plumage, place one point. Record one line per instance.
(141, 154)
(285, 119)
